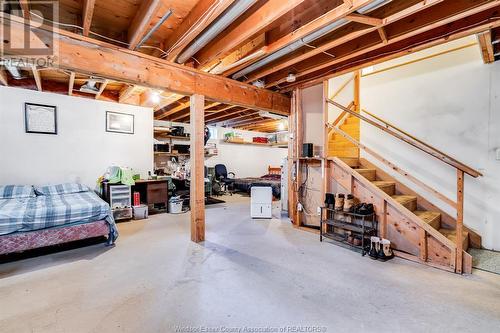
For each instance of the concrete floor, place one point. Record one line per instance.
(253, 273)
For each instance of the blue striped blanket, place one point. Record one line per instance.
(48, 211)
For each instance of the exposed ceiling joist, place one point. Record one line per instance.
(176, 109)
(142, 21)
(88, 13)
(166, 101)
(251, 26)
(71, 83)
(420, 25)
(101, 88)
(375, 22)
(126, 92)
(200, 17)
(486, 47)
(422, 5)
(91, 57)
(37, 77)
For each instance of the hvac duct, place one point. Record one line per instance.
(306, 40)
(231, 14)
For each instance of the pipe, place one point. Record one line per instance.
(228, 17)
(154, 28)
(306, 40)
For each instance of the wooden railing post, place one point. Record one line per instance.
(460, 219)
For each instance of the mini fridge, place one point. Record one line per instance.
(261, 202)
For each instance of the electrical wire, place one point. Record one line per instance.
(397, 51)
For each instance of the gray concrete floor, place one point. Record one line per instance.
(253, 273)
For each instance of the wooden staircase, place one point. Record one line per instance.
(418, 229)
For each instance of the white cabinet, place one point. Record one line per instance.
(261, 202)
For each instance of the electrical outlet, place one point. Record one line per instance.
(318, 210)
(498, 154)
(299, 207)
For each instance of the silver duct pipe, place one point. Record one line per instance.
(229, 16)
(155, 27)
(306, 40)
(15, 72)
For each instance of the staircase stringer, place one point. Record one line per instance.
(412, 238)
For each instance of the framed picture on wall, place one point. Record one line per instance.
(39, 118)
(119, 122)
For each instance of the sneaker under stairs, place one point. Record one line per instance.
(417, 228)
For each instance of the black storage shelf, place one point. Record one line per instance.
(359, 225)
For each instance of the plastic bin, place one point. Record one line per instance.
(175, 205)
(140, 212)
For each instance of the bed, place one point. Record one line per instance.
(33, 218)
(273, 179)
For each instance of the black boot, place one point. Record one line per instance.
(374, 247)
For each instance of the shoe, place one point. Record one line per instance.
(365, 209)
(357, 241)
(350, 239)
(385, 253)
(348, 203)
(339, 202)
(374, 247)
(329, 200)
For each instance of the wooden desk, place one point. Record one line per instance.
(153, 192)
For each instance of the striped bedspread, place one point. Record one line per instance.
(49, 211)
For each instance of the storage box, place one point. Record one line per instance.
(140, 212)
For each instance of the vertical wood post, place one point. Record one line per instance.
(357, 87)
(325, 164)
(197, 190)
(291, 160)
(460, 219)
(299, 134)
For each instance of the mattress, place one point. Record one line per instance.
(52, 211)
(245, 184)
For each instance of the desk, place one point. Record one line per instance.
(153, 192)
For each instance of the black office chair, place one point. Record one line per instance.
(222, 176)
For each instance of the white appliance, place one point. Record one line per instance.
(261, 202)
(284, 185)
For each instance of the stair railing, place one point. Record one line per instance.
(460, 167)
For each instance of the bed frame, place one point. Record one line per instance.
(22, 241)
(274, 170)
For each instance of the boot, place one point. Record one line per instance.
(339, 202)
(329, 200)
(385, 253)
(374, 247)
(348, 203)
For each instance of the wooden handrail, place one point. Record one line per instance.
(394, 167)
(415, 143)
(342, 115)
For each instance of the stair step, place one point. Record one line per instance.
(370, 174)
(409, 201)
(351, 120)
(431, 218)
(452, 235)
(353, 162)
(348, 127)
(386, 186)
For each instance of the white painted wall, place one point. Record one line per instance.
(243, 160)
(82, 149)
(451, 102)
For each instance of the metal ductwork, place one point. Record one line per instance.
(229, 16)
(16, 72)
(306, 40)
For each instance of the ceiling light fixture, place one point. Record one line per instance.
(259, 84)
(155, 97)
(291, 78)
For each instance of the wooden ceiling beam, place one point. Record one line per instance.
(142, 21)
(71, 83)
(37, 77)
(184, 116)
(126, 92)
(486, 46)
(88, 13)
(226, 115)
(200, 17)
(360, 18)
(166, 101)
(309, 53)
(414, 45)
(419, 25)
(174, 110)
(231, 118)
(91, 57)
(102, 86)
(251, 26)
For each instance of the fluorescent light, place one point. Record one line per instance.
(266, 114)
(281, 126)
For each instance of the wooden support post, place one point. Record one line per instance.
(383, 225)
(298, 146)
(291, 160)
(357, 84)
(197, 190)
(460, 219)
(325, 165)
(423, 244)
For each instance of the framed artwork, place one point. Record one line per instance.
(39, 118)
(119, 122)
